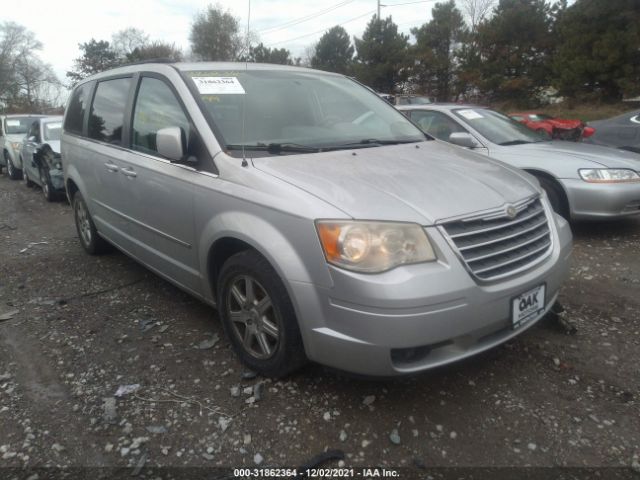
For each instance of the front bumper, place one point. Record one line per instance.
(599, 201)
(57, 179)
(418, 317)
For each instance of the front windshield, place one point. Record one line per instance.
(298, 108)
(415, 101)
(497, 128)
(52, 131)
(17, 125)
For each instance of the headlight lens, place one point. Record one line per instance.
(373, 247)
(16, 145)
(608, 175)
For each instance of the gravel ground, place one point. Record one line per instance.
(76, 328)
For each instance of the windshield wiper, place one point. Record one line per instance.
(367, 142)
(274, 148)
(514, 142)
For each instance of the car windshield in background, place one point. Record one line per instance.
(414, 101)
(498, 128)
(298, 111)
(18, 125)
(52, 131)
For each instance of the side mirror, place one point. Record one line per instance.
(170, 143)
(463, 139)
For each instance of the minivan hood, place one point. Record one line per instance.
(422, 182)
(597, 155)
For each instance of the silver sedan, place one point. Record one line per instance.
(582, 181)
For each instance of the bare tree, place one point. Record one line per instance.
(127, 40)
(476, 11)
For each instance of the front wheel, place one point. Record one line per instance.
(47, 187)
(12, 171)
(25, 177)
(556, 197)
(90, 240)
(258, 316)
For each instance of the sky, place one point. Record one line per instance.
(61, 25)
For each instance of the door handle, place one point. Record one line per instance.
(127, 172)
(112, 167)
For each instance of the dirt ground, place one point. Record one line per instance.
(80, 327)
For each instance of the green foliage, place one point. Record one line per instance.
(262, 54)
(514, 50)
(382, 57)
(334, 52)
(599, 49)
(97, 56)
(437, 49)
(155, 50)
(215, 35)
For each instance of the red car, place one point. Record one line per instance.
(556, 128)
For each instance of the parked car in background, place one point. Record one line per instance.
(40, 156)
(13, 128)
(405, 99)
(412, 100)
(320, 221)
(555, 128)
(582, 181)
(621, 132)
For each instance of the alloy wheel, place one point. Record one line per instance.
(254, 320)
(82, 218)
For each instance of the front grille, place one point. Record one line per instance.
(498, 246)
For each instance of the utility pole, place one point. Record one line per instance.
(378, 10)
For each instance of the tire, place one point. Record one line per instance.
(556, 196)
(25, 176)
(47, 188)
(12, 171)
(261, 326)
(90, 240)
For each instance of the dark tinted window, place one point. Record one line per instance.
(76, 108)
(156, 108)
(34, 131)
(107, 111)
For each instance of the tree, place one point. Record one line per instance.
(215, 35)
(262, 54)
(598, 51)
(96, 57)
(27, 84)
(437, 47)
(154, 51)
(514, 51)
(382, 55)
(476, 11)
(334, 52)
(124, 42)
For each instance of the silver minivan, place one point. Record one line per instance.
(320, 221)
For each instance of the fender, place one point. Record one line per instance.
(275, 246)
(71, 173)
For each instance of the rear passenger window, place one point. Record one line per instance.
(107, 111)
(75, 111)
(156, 108)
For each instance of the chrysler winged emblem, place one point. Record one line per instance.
(511, 211)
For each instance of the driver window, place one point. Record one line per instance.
(436, 124)
(156, 108)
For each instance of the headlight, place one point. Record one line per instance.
(608, 175)
(57, 166)
(16, 145)
(373, 247)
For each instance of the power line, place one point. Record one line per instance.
(407, 3)
(323, 30)
(296, 21)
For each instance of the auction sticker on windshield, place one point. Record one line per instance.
(527, 306)
(218, 85)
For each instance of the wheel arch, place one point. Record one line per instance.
(554, 181)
